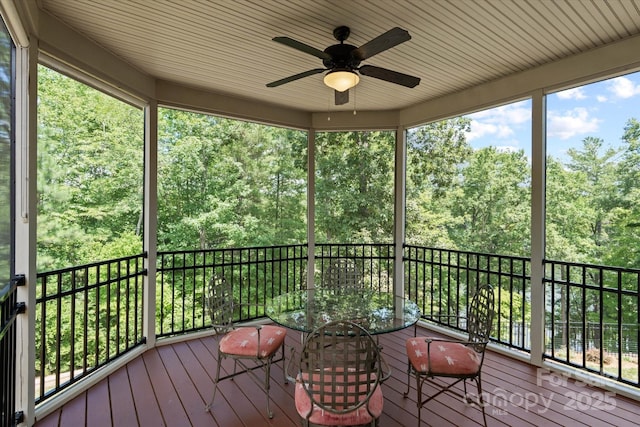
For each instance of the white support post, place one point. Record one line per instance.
(150, 221)
(25, 225)
(311, 211)
(538, 169)
(400, 183)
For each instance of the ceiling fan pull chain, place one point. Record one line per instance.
(354, 101)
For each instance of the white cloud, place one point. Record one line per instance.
(623, 87)
(504, 131)
(498, 122)
(602, 98)
(480, 129)
(571, 123)
(575, 93)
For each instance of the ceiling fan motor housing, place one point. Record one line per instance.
(341, 57)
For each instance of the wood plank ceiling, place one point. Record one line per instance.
(225, 46)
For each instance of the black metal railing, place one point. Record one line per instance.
(373, 261)
(9, 310)
(256, 274)
(592, 318)
(443, 281)
(86, 316)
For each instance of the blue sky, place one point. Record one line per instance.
(599, 110)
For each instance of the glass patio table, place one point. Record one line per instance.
(307, 309)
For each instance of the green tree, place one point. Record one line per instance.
(581, 198)
(598, 173)
(436, 152)
(354, 187)
(568, 214)
(227, 183)
(624, 247)
(90, 167)
(90, 180)
(493, 203)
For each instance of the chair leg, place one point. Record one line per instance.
(266, 365)
(267, 385)
(481, 398)
(419, 384)
(418, 390)
(215, 383)
(267, 381)
(419, 399)
(284, 367)
(406, 393)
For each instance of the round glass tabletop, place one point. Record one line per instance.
(307, 309)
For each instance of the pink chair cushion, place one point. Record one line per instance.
(321, 417)
(244, 341)
(446, 358)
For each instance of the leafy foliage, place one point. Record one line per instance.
(225, 183)
(354, 187)
(90, 168)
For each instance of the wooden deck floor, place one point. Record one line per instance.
(169, 385)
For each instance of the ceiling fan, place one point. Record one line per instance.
(343, 62)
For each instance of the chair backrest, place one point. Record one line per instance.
(342, 274)
(340, 366)
(480, 315)
(219, 303)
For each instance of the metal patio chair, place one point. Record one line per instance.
(451, 360)
(251, 347)
(342, 275)
(339, 374)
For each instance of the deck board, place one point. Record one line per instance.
(147, 408)
(99, 403)
(189, 396)
(52, 420)
(122, 399)
(74, 413)
(201, 365)
(170, 386)
(170, 403)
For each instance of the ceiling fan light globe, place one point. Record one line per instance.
(341, 80)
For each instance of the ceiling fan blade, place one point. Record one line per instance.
(296, 77)
(389, 76)
(385, 41)
(342, 97)
(287, 41)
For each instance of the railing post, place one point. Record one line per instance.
(538, 161)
